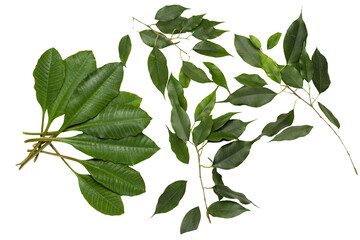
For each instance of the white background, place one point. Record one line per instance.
(306, 189)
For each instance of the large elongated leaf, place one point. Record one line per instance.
(270, 68)
(222, 120)
(210, 49)
(180, 122)
(247, 51)
(116, 121)
(329, 115)
(292, 133)
(282, 121)
(128, 151)
(250, 96)
(228, 193)
(77, 68)
(49, 75)
(152, 39)
(273, 40)
(321, 77)
(158, 69)
(178, 146)
(171, 197)
(226, 209)
(126, 98)
(294, 40)
(99, 197)
(217, 75)
(202, 131)
(232, 154)
(118, 178)
(306, 66)
(251, 80)
(204, 108)
(124, 49)
(230, 131)
(292, 77)
(176, 93)
(194, 72)
(191, 220)
(169, 12)
(93, 94)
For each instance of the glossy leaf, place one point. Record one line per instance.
(126, 98)
(204, 108)
(118, 178)
(77, 68)
(247, 51)
(222, 120)
(178, 146)
(250, 96)
(291, 76)
(191, 23)
(99, 197)
(194, 73)
(124, 49)
(202, 131)
(232, 154)
(116, 121)
(230, 131)
(294, 40)
(169, 12)
(128, 151)
(306, 66)
(217, 75)
(270, 68)
(228, 193)
(329, 115)
(282, 121)
(207, 31)
(49, 75)
(184, 79)
(173, 26)
(180, 122)
(226, 209)
(273, 40)
(251, 80)
(151, 39)
(157, 66)
(210, 49)
(321, 77)
(292, 133)
(176, 93)
(256, 42)
(217, 178)
(171, 197)
(191, 220)
(93, 94)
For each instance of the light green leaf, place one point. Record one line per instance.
(202, 131)
(306, 66)
(180, 122)
(251, 80)
(191, 220)
(291, 76)
(228, 193)
(232, 154)
(191, 23)
(151, 39)
(222, 120)
(204, 108)
(217, 178)
(194, 72)
(270, 68)
(169, 12)
(292, 133)
(273, 40)
(207, 31)
(124, 49)
(329, 115)
(210, 49)
(171, 197)
(158, 70)
(321, 77)
(183, 79)
(217, 75)
(250, 96)
(230, 131)
(282, 121)
(247, 51)
(126, 98)
(178, 146)
(176, 93)
(226, 209)
(256, 42)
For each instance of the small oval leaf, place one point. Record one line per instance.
(204, 108)
(216, 74)
(247, 51)
(228, 193)
(251, 80)
(226, 209)
(191, 220)
(273, 40)
(178, 146)
(230, 131)
(195, 73)
(202, 131)
(282, 121)
(292, 133)
(256, 42)
(124, 49)
(291, 76)
(169, 12)
(222, 120)
(270, 68)
(232, 154)
(153, 40)
(321, 77)
(171, 197)
(250, 96)
(176, 93)
(306, 66)
(210, 49)
(184, 79)
(329, 115)
(180, 122)
(157, 66)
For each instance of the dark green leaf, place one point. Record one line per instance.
(99, 197)
(207, 31)
(251, 80)
(176, 93)
(126, 98)
(151, 39)
(273, 40)
(321, 77)
(191, 220)
(306, 66)
(169, 12)
(128, 151)
(256, 42)
(292, 133)
(183, 79)
(178, 146)
(210, 49)
(329, 115)
(194, 72)
(217, 178)
(294, 40)
(202, 131)
(173, 26)
(216, 74)
(282, 121)
(292, 77)
(230, 131)
(232, 154)
(191, 23)
(204, 108)
(253, 97)
(247, 51)
(180, 122)
(270, 68)
(220, 121)
(158, 69)
(226, 209)
(228, 193)
(171, 197)
(118, 178)
(124, 49)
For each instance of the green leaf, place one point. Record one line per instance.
(128, 151)
(116, 121)
(169, 12)
(222, 120)
(232, 154)
(306, 66)
(194, 72)
(291, 76)
(292, 133)
(282, 121)
(207, 31)
(151, 39)
(321, 77)
(204, 108)
(118, 178)
(126, 98)
(93, 94)
(216, 74)
(230, 131)
(270, 67)
(217, 178)
(250, 96)
(158, 69)
(210, 49)
(124, 49)
(294, 40)
(202, 131)
(171, 197)
(191, 220)
(77, 68)
(49, 75)
(273, 40)
(178, 146)
(329, 115)
(180, 122)
(256, 42)
(251, 80)
(226, 209)
(228, 193)
(247, 51)
(176, 93)
(183, 79)
(191, 23)
(99, 197)
(173, 26)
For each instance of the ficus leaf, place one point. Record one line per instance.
(329, 115)
(157, 66)
(217, 75)
(273, 40)
(169, 12)
(306, 66)
(171, 197)
(173, 26)
(153, 40)
(191, 23)
(126, 98)
(282, 121)
(256, 42)
(180, 122)
(251, 80)
(207, 31)
(292, 77)
(210, 49)
(191, 220)
(247, 51)
(222, 120)
(217, 178)
(228, 193)
(195, 73)
(250, 96)
(184, 79)
(232, 154)
(270, 68)
(178, 146)
(321, 77)
(202, 131)
(292, 133)
(124, 49)
(176, 93)
(226, 209)
(204, 108)
(230, 131)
